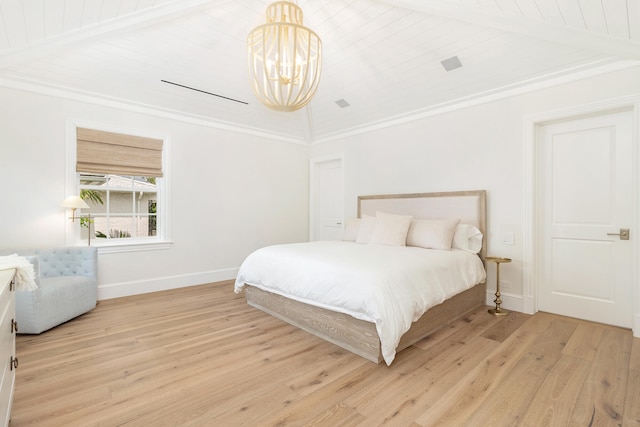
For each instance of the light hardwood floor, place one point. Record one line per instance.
(200, 356)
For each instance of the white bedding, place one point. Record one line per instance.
(390, 286)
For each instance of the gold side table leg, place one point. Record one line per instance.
(498, 311)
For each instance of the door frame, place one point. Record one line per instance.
(314, 165)
(532, 220)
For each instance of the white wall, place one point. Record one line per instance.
(480, 147)
(230, 193)
(243, 192)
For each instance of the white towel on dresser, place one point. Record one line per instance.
(25, 274)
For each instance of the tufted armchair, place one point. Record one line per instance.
(67, 280)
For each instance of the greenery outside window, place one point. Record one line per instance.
(121, 207)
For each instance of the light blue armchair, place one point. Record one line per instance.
(67, 280)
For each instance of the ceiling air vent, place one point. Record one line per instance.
(451, 63)
(204, 91)
(342, 103)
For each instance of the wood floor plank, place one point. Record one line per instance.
(634, 362)
(539, 323)
(200, 356)
(305, 409)
(524, 378)
(631, 404)
(473, 324)
(322, 373)
(466, 396)
(505, 326)
(434, 379)
(602, 398)
(237, 397)
(258, 401)
(584, 342)
(391, 381)
(441, 364)
(338, 416)
(554, 402)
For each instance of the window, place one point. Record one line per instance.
(121, 207)
(120, 177)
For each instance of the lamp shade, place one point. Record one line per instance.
(74, 202)
(284, 59)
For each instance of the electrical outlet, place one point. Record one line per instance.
(505, 284)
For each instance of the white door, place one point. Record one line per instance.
(586, 170)
(329, 200)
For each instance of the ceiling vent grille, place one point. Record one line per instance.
(451, 63)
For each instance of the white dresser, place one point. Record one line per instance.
(8, 328)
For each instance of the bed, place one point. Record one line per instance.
(367, 294)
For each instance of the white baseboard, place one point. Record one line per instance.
(124, 289)
(529, 305)
(509, 302)
(636, 325)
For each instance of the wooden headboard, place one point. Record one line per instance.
(469, 206)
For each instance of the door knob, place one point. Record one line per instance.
(624, 234)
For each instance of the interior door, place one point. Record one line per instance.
(329, 200)
(586, 205)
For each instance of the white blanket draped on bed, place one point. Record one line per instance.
(390, 286)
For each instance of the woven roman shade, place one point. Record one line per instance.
(107, 152)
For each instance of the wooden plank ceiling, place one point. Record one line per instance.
(382, 57)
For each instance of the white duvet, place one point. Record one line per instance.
(391, 286)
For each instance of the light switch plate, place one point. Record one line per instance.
(508, 238)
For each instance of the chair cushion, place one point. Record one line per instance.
(57, 300)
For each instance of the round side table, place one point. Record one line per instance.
(498, 260)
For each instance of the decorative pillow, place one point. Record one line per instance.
(351, 229)
(365, 230)
(432, 233)
(468, 238)
(391, 229)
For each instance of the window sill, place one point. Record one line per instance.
(132, 246)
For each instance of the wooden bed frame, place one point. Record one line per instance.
(359, 336)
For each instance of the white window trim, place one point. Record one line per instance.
(72, 229)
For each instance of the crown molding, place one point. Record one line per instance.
(543, 82)
(567, 76)
(111, 102)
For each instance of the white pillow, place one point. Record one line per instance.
(365, 230)
(391, 229)
(468, 238)
(432, 233)
(351, 229)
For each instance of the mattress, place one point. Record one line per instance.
(390, 286)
